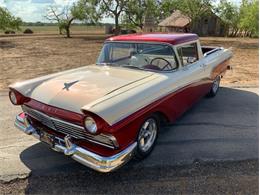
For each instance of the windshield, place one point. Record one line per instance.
(159, 57)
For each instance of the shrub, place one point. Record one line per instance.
(9, 32)
(28, 31)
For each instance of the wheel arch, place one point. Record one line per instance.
(163, 118)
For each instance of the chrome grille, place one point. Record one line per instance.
(44, 119)
(73, 130)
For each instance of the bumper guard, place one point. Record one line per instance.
(83, 156)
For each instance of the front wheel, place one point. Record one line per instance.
(147, 137)
(214, 88)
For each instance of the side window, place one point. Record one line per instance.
(188, 54)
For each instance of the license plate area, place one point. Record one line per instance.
(47, 138)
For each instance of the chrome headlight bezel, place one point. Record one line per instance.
(12, 97)
(90, 125)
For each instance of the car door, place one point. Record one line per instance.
(192, 72)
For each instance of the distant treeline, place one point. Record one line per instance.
(240, 20)
(57, 24)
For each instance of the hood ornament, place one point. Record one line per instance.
(68, 85)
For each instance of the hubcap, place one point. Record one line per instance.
(147, 134)
(215, 85)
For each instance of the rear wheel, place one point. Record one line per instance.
(147, 137)
(214, 88)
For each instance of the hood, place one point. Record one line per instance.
(73, 90)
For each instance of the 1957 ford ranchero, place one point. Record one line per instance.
(102, 115)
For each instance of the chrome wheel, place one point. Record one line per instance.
(147, 135)
(215, 85)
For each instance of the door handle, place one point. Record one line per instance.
(203, 65)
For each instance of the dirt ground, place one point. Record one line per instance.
(25, 57)
(245, 61)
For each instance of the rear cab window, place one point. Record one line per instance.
(188, 53)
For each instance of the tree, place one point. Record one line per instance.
(7, 21)
(167, 7)
(153, 9)
(249, 12)
(136, 11)
(229, 13)
(113, 8)
(86, 10)
(195, 9)
(64, 18)
(83, 10)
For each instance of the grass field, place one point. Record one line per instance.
(55, 30)
(25, 57)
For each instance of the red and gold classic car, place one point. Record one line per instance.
(104, 114)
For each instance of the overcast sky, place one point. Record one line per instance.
(34, 10)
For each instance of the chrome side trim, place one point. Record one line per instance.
(212, 51)
(81, 155)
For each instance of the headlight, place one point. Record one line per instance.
(12, 97)
(90, 125)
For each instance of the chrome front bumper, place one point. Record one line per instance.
(83, 156)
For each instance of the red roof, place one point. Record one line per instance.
(156, 37)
